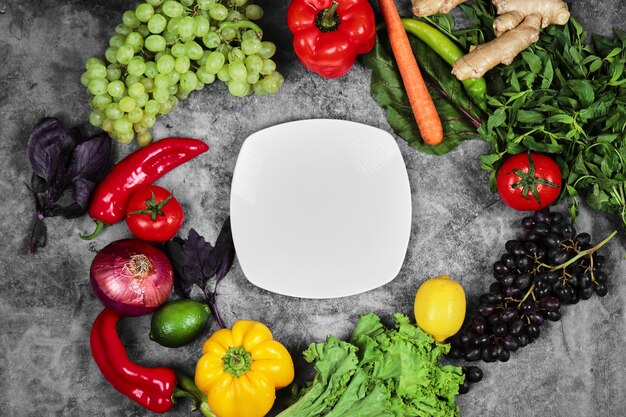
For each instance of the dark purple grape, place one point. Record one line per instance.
(600, 277)
(494, 350)
(507, 281)
(484, 298)
(479, 326)
(516, 327)
(482, 341)
(485, 356)
(551, 304)
(495, 298)
(536, 318)
(556, 228)
(466, 339)
(508, 260)
(499, 269)
(543, 216)
(533, 331)
(511, 245)
(464, 388)
(522, 339)
(493, 319)
(562, 294)
(556, 217)
(560, 258)
(473, 374)
(568, 231)
(511, 291)
(523, 281)
(495, 287)
(528, 222)
(486, 309)
(531, 247)
(527, 307)
(585, 293)
(583, 281)
(455, 352)
(510, 343)
(472, 354)
(504, 355)
(499, 329)
(598, 261)
(523, 263)
(583, 238)
(519, 250)
(543, 292)
(551, 277)
(601, 289)
(552, 240)
(509, 314)
(541, 252)
(541, 228)
(551, 253)
(533, 237)
(553, 315)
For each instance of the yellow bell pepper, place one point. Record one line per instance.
(241, 369)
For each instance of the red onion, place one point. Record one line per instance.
(131, 277)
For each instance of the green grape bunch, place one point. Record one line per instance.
(164, 50)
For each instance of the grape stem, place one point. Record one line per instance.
(243, 24)
(584, 253)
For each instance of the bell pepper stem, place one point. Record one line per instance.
(99, 227)
(187, 388)
(328, 20)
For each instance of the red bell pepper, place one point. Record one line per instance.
(140, 168)
(329, 34)
(155, 389)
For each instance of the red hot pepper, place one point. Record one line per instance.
(140, 168)
(329, 34)
(155, 389)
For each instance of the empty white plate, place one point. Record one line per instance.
(320, 208)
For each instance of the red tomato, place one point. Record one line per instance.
(529, 181)
(153, 214)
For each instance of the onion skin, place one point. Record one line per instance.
(131, 277)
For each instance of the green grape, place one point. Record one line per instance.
(268, 50)
(108, 125)
(173, 101)
(113, 133)
(96, 118)
(238, 88)
(252, 78)
(237, 3)
(173, 89)
(144, 138)
(202, 61)
(127, 104)
(258, 89)
(124, 54)
(135, 41)
(269, 67)
(251, 46)
(206, 4)
(117, 40)
(116, 88)
(179, 49)
(223, 74)
(172, 8)
(84, 79)
(165, 64)
(111, 55)
(151, 69)
(123, 30)
(143, 30)
(215, 61)
(114, 72)
(205, 76)
(148, 84)
(150, 120)
(254, 12)
(101, 101)
(199, 85)
(187, 26)
(228, 33)
(194, 50)
(165, 108)
(218, 12)
(188, 80)
(136, 90)
(182, 64)
(157, 24)
(272, 83)
(234, 16)
(97, 71)
(211, 40)
(131, 79)
(249, 34)
(98, 86)
(161, 81)
(202, 26)
(155, 43)
(254, 63)
(183, 94)
(144, 12)
(125, 137)
(151, 107)
(136, 67)
(174, 77)
(170, 37)
(237, 71)
(93, 60)
(236, 55)
(160, 95)
(172, 25)
(142, 100)
(113, 111)
(130, 20)
(154, 3)
(187, 3)
(123, 125)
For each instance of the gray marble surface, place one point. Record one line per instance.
(576, 369)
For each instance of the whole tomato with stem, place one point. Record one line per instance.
(154, 214)
(529, 181)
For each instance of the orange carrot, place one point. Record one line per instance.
(424, 110)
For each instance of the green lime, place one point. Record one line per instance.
(179, 322)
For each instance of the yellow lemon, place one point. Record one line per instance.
(440, 307)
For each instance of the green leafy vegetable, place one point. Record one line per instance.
(382, 372)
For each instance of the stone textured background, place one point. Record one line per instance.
(576, 369)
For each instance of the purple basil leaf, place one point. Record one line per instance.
(48, 147)
(175, 253)
(37, 184)
(38, 235)
(196, 258)
(223, 255)
(72, 211)
(82, 191)
(90, 159)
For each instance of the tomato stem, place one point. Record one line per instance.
(528, 181)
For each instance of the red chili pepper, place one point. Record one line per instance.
(155, 389)
(140, 168)
(328, 35)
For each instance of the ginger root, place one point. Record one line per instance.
(517, 27)
(430, 7)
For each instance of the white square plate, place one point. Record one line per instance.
(320, 208)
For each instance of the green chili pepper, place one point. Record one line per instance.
(449, 52)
